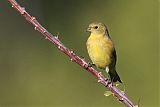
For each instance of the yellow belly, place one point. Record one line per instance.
(99, 50)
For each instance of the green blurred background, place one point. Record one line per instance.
(33, 73)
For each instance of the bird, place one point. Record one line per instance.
(101, 50)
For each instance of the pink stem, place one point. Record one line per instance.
(80, 61)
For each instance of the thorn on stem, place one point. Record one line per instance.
(44, 31)
(46, 37)
(33, 18)
(59, 47)
(56, 37)
(35, 27)
(99, 74)
(72, 52)
(23, 10)
(71, 60)
(99, 80)
(121, 99)
(85, 66)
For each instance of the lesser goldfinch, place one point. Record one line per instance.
(101, 50)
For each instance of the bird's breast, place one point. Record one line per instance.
(99, 50)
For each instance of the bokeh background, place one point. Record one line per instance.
(34, 73)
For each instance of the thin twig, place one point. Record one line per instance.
(73, 57)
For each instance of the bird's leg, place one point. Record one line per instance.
(109, 78)
(107, 69)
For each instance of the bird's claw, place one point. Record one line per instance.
(90, 64)
(99, 73)
(100, 80)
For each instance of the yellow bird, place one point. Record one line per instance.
(101, 50)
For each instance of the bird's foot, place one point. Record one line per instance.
(90, 64)
(109, 79)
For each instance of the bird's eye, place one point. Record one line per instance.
(96, 27)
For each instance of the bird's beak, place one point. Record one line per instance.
(88, 29)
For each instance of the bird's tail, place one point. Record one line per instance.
(114, 76)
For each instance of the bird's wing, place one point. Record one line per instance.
(113, 58)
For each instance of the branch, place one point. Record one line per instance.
(74, 58)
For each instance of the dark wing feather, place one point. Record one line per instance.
(112, 68)
(113, 58)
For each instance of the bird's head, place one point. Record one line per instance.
(97, 28)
